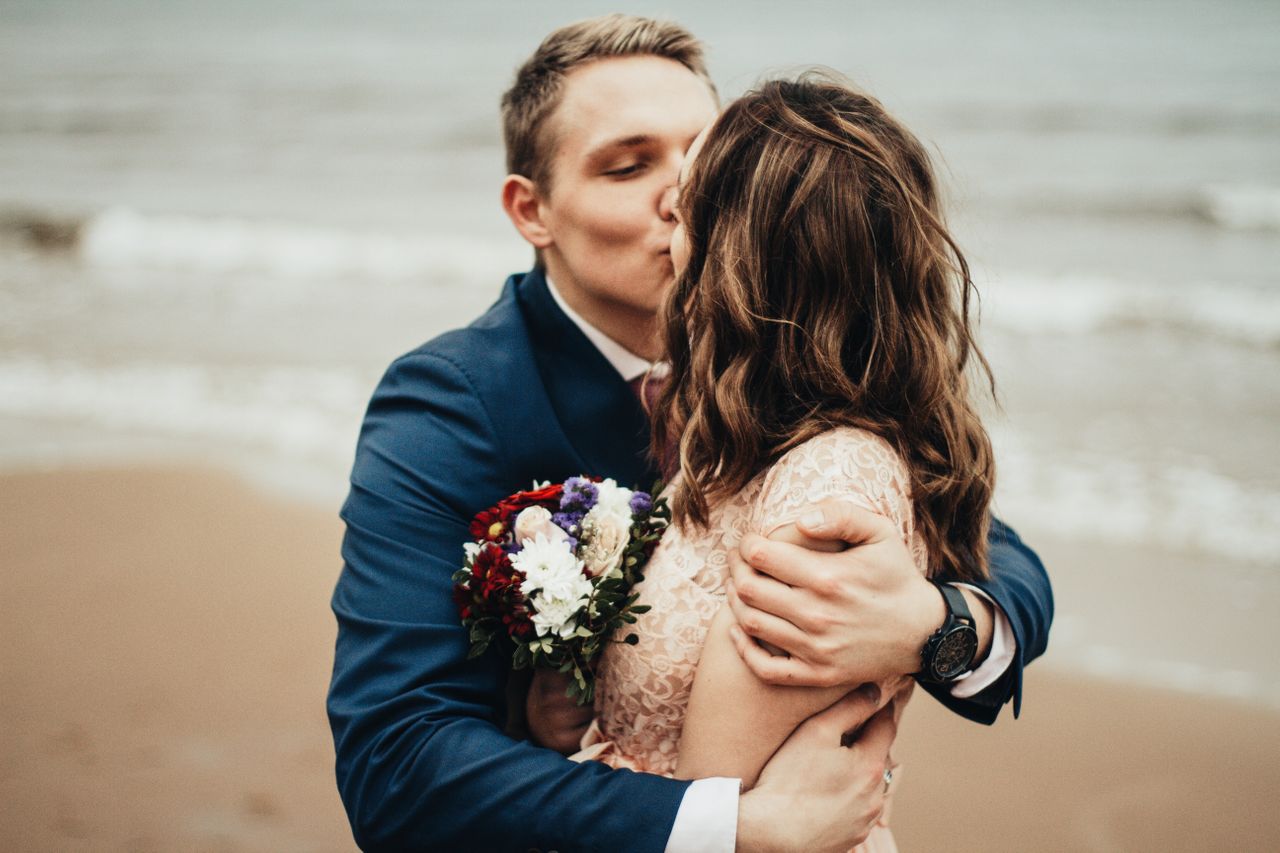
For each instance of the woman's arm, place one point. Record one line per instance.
(736, 721)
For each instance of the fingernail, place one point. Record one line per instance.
(814, 520)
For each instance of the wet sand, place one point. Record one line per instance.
(167, 644)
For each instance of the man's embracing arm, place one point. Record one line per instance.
(422, 761)
(865, 613)
(1019, 586)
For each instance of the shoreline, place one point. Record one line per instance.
(170, 648)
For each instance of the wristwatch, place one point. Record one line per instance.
(949, 652)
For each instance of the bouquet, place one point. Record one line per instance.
(550, 574)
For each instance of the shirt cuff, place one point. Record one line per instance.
(1003, 645)
(707, 821)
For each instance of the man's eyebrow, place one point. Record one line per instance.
(607, 146)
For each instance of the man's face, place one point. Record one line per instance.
(619, 137)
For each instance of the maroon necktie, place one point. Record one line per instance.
(647, 389)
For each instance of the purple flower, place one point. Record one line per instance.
(567, 521)
(641, 504)
(579, 496)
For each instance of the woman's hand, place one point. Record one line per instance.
(824, 789)
(555, 721)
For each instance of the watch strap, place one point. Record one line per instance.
(957, 607)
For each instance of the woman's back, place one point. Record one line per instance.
(643, 690)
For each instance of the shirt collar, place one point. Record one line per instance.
(627, 363)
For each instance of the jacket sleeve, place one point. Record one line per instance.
(1020, 586)
(422, 761)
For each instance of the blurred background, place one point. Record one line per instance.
(219, 221)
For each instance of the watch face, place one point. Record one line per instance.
(954, 653)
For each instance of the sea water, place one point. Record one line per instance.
(219, 222)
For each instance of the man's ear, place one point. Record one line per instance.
(520, 201)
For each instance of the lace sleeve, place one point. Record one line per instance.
(844, 463)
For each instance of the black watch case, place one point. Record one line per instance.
(950, 651)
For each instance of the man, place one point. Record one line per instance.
(596, 126)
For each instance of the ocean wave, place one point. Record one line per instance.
(1035, 304)
(224, 250)
(1135, 666)
(1243, 207)
(1230, 207)
(1095, 498)
(291, 411)
(124, 238)
(314, 413)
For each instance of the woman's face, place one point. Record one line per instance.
(679, 243)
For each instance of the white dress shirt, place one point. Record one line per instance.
(707, 820)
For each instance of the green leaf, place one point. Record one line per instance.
(479, 648)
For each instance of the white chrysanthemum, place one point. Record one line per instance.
(470, 551)
(554, 615)
(551, 567)
(554, 583)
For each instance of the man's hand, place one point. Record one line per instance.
(555, 721)
(858, 616)
(815, 794)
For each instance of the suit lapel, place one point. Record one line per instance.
(599, 414)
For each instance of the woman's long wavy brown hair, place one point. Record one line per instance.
(822, 290)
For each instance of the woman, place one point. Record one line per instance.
(818, 336)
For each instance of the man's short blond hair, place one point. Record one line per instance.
(539, 83)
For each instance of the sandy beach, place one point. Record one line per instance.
(167, 649)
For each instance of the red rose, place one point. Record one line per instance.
(549, 495)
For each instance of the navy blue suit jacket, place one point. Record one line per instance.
(422, 760)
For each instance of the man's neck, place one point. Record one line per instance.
(619, 348)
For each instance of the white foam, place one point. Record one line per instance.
(1029, 303)
(1245, 208)
(293, 412)
(1194, 679)
(1108, 499)
(314, 413)
(124, 238)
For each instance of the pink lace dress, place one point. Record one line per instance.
(642, 691)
